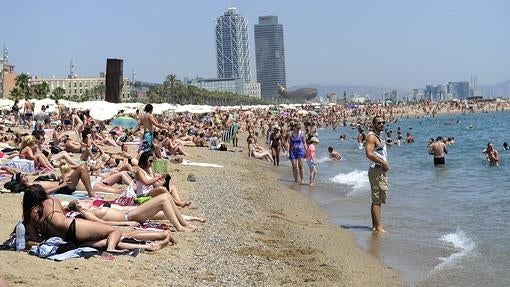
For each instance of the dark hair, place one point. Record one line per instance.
(330, 149)
(148, 108)
(143, 161)
(15, 185)
(34, 196)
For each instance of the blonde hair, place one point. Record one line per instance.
(28, 140)
(64, 167)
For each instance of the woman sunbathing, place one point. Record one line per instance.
(66, 185)
(148, 184)
(28, 150)
(160, 207)
(43, 215)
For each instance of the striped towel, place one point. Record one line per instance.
(229, 134)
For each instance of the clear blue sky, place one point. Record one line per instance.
(394, 44)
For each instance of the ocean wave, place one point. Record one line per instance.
(462, 243)
(357, 179)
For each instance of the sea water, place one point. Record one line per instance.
(447, 225)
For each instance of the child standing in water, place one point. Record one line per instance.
(310, 158)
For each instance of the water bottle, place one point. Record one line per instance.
(20, 236)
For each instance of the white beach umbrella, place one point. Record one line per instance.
(102, 110)
(6, 104)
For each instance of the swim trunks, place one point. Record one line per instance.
(378, 184)
(439, 160)
(147, 141)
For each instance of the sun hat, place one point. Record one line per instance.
(314, 140)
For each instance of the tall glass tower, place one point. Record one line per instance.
(270, 55)
(232, 52)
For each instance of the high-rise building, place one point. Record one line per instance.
(270, 56)
(232, 52)
(458, 90)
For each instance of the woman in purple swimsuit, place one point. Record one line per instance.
(297, 148)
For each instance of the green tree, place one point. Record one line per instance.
(57, 93)
(16, 94)
(22, 83)
(41, 90)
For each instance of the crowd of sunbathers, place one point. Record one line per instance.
(90, 157)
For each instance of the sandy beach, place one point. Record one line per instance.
(259, 233)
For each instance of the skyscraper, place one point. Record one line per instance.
(232, 52)
(270, 55)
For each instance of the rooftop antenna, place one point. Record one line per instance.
(71, 72)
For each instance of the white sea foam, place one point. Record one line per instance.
(323, 159)
(357, 179)
(462, 243)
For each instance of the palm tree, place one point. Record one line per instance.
(173, 85)
(41, 90)
(22, 82)
(16, 94)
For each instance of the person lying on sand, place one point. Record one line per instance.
(44, 216)
(160, 207)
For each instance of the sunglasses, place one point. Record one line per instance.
(381, 123)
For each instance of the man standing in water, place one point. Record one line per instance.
(375, 150)
(148, 122)
(438, 149)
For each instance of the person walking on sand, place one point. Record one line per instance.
(375, 150)
(148, 122)
(28, 108)
(438, 149)
(297, 152)
(310, 159)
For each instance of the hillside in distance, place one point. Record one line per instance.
(375, 93)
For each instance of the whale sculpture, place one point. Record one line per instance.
(300, 94)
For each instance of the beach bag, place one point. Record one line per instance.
(159, 166)
(129, 191)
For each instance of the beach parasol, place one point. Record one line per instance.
(124, 122)
(302, 112)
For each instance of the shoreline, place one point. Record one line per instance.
(256, 234)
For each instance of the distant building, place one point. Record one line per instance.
(270, 56)
(391, 96)
(232, 51)
(7, 79)
(436, 93)
(458, 90)
(232, 85)
(75, 87)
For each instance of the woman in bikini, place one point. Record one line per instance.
(160, 207)
(98, 183)
(44, 216)
(148, 184)
(257, 152)
(28, 150)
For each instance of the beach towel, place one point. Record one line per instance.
(55, 248)
(187, 162)
(230, 133)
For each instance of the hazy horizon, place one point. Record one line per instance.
(390, 44)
